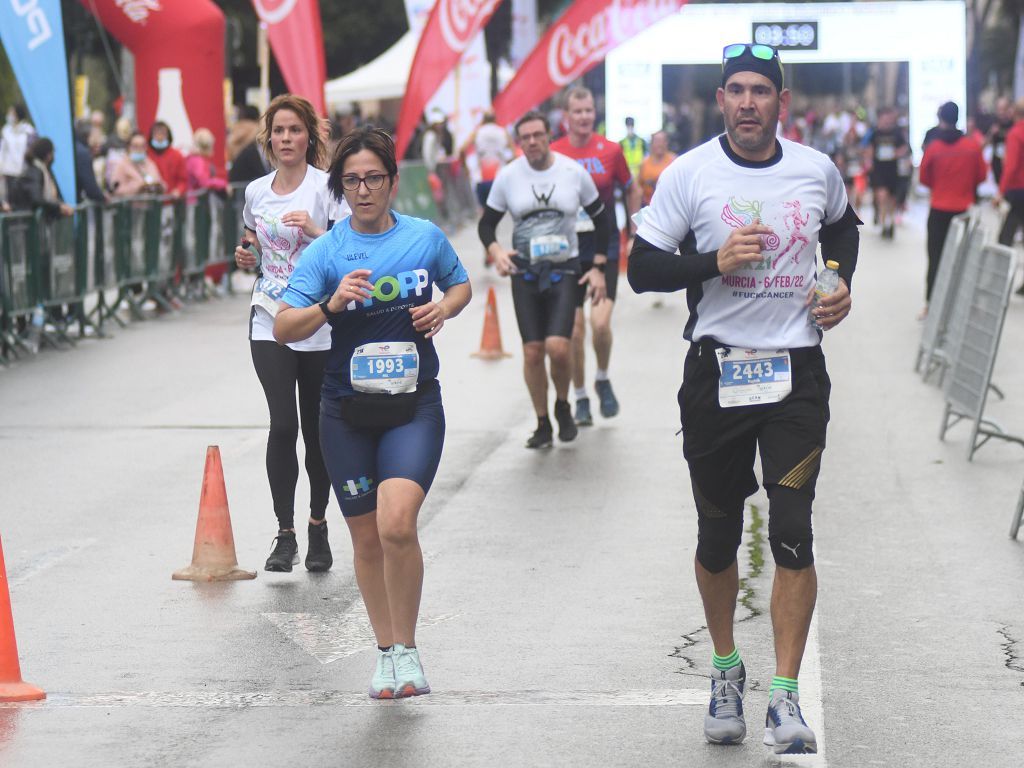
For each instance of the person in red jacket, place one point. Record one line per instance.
(168, 160)
(1011, 184)
(952, 168)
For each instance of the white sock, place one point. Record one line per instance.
(581, 393)
(601, 375)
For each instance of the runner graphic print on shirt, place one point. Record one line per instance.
(795, 233)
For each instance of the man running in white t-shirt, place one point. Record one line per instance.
(543, 191)
(746, 212)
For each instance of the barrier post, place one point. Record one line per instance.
(18, 238)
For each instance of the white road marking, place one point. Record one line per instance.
(329, 638)
(46, 560)
(686, 697)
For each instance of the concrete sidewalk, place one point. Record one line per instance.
(561, 624)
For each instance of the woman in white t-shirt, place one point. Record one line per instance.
(284, 212)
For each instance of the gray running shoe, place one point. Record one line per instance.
(724, 724)
(784, 728)
(609, 405)
(583, 415)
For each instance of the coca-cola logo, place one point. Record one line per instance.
(138, 10)
(461, 19)
(273, 11)
(572, 49)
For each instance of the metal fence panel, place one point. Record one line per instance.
(939, 306)
(987, 276)
(19, 242)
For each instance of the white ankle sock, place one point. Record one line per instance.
(601, 375)
(581, 393)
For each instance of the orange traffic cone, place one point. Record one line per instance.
(12, 687)
(213, 555)
(490, 342)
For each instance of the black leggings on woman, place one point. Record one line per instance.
(279, 369)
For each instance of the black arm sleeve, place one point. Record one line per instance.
(652, 269)
(840, 242)
(487, 229)
(599, 216)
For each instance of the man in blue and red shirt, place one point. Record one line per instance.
(604, 161)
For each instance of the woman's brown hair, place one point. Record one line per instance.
(364, 137)
(316, 152)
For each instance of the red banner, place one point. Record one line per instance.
(573, 45)
(297, 39)
(179, 63)
(450, 29)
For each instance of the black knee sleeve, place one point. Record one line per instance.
(789, 527)
(718, 533)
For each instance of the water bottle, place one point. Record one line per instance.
(828, 283)
(35, 329)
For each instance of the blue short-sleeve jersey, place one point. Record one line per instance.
(405, 263)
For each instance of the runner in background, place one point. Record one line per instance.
(653, 165)
(284, 212)
(884, 146)
(604, 161)
(493, 148)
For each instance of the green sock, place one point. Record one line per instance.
(725, 662)
(783, 684)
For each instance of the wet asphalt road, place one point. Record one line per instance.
(561, 624)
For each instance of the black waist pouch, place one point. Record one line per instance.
(366, 410)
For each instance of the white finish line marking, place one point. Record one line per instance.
(243, 700)
(329, 638)
(46, 560)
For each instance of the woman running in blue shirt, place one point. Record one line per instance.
(381, 418)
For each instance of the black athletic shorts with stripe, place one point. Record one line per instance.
(720, 444)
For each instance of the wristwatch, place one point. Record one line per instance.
(599, 267)
(326, 309)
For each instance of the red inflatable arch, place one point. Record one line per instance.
(179, 62)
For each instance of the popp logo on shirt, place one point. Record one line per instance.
(388, 288)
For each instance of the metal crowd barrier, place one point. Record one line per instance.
(444, 197)
(82, 269)
(976, 327)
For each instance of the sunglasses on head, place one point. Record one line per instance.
(757, 50)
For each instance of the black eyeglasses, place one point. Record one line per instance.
(373, 182)
(757, 50)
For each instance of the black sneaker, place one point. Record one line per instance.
(285, 553)
(609, 405)
(318, 556)
(567, 429)
(583, 415)
(543, 436)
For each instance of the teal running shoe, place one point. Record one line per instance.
(785, 730)
(382, 686)
(724, 723)
(409, 677)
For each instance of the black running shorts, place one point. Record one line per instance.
(544, 313)
(719, 444)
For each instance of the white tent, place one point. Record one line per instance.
(383, 78)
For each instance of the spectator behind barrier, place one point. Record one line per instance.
(200, 172)
(168, 160)
(135, 173)
(36, 188)
(85, 176)
(243, 131)
(15, 139)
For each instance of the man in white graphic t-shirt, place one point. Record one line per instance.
(736, 222)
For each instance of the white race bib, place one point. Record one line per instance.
(267, 293)
(753, 376)
(391, 367)
(554, 248)
(885, 153)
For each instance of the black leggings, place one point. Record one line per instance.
(938, 229)
(280, 369)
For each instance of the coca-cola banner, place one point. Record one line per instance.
(297, 40)
(179, 62)
(581, 38)
(451, 27)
